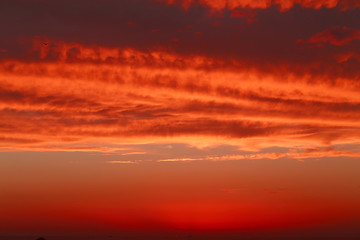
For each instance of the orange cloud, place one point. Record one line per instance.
(99, 94)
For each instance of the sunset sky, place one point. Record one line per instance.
(180, 118)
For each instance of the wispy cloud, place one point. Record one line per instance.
(296, 154)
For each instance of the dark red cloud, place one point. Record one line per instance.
(249, 15)
(338, 36)
(270, 40)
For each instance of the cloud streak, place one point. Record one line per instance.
(261, 4)
(297, 155)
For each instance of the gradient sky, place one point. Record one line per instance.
(180, 116)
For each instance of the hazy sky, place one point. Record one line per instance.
(180, 116)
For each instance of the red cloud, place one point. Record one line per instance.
(250, 16)
(338, 36)
(262, 4)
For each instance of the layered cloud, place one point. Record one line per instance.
(79, 94)
(212, 78)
